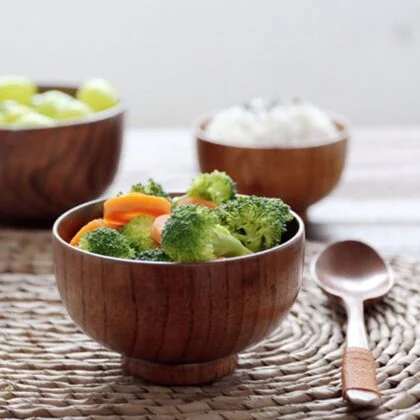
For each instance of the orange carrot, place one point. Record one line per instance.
(88, 227)
(113, 225)
(120, 210)
(158, 226)
(186, 201)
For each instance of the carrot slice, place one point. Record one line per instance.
(120, 210)
(158, 226)
(186, 201)
(113, 225)
(88, 227)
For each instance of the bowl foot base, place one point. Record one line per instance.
(180, 374)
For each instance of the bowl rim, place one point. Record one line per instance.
(119, 109)
(341, 122)
(293, 240)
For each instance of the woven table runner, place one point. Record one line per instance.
(50, 369)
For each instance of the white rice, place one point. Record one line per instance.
(262, 123)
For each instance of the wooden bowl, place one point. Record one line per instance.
(46, 171)
(176, 323)
(300, 175)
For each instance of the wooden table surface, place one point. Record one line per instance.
(378, 199)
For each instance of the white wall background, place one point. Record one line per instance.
(175, 60)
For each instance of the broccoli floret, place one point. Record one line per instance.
(192, 234)
(258, 222)
(151, 187)
(107, 241)
(138, 231)
(215, 186)
(155, 254)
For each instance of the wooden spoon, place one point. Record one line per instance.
(353, 274)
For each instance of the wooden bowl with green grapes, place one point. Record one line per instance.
(59, 146)
(179, 286)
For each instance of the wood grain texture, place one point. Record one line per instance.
(167, 313)
(180, 374)
(45, 171)
(301, 176)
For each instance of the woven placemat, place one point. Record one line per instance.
(49, 369)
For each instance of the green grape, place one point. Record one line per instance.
(73, 109)
(98, 94)
(33, 119)
(12, 110)
(18, 88)
(48, 102)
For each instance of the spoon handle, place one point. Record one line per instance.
(358, 371)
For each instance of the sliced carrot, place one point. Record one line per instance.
(88, 227)
(120, 210)
(158, 226)
(186, 201)
(113, 225)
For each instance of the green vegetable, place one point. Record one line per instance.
(138, 231)
(155, 254)
(192, 234)
(107, 241)
(215, 186)
(258, 222)
(151, 187)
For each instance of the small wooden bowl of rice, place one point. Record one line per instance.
(299, 171)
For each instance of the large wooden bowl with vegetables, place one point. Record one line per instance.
(179, 287)
(49, 165)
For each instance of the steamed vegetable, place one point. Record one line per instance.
(258, 222)
(195, 201)
(155, 254)
(217, 187)
(158, 226)
(120, 210)
(192, 234)
(138, 231)
(92, 225)
(107, 241)
(209, 223)
(151, 187)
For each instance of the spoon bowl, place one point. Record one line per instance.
(352, 269)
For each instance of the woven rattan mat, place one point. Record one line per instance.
(49, 369)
